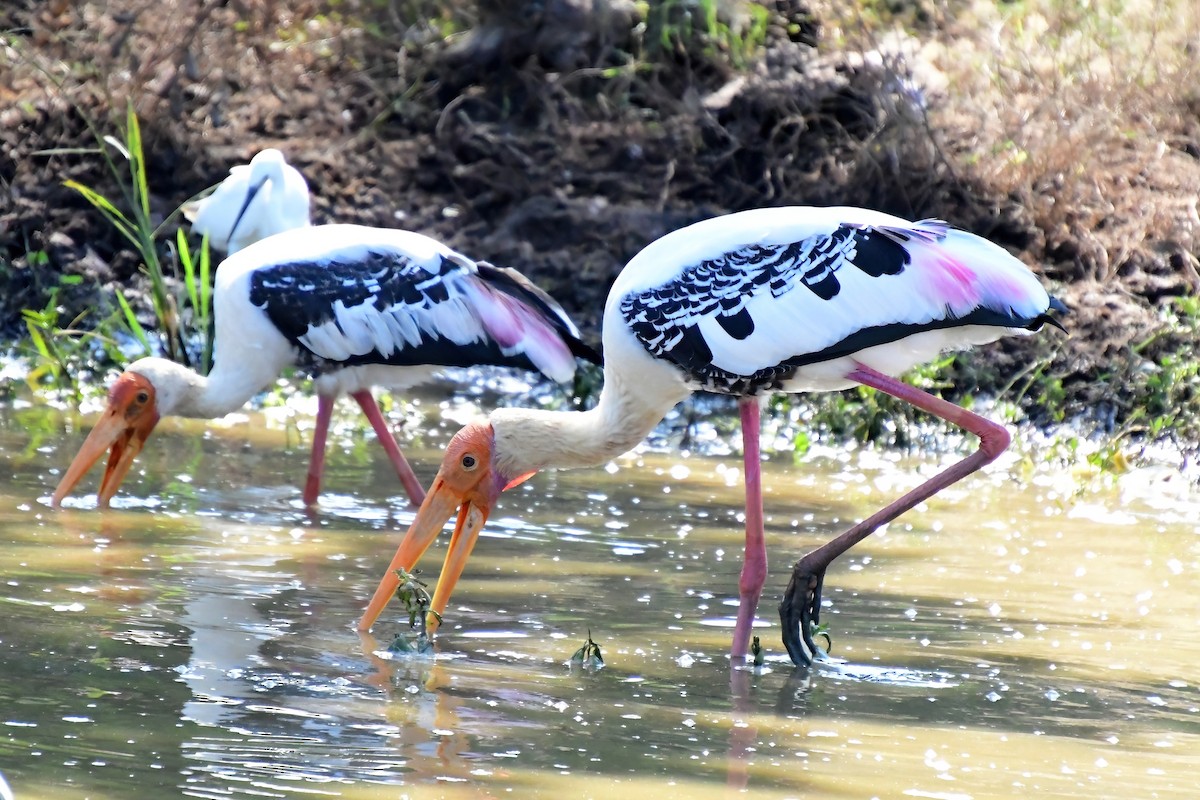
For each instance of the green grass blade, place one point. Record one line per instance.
(131, 321)
(35, 336)
(114, 215)
(189, 270)
(209, 327)
(205, 278)
(137, 161)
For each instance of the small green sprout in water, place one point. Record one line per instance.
(821, 630)
(756, 650)
(415, 596)
(588, 656)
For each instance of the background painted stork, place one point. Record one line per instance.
(770, 300)
(266, 197)
(258, 200)
(357, 307)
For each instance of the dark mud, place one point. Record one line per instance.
(536, 140)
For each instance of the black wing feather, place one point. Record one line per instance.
(666, 318)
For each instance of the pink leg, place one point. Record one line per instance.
(408, 478)
(754, 564)
(800, 609)
(316, 463)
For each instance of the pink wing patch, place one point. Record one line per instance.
(518, 328)
(954, 284)
(500, 318)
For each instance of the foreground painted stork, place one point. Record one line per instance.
(770, 300)
(257, 200)
(356, 307)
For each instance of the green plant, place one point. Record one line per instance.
(1166, 381)
(588, 657)
(197, 279)
(53, 358)
(138, 228)
(413, 593)
(706, 26)
(60, 353)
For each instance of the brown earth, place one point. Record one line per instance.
(561, 142)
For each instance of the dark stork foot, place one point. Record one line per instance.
(800, 612)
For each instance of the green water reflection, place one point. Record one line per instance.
(1015, 635)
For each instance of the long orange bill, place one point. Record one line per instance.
(439, 505)
(125, 437)
(471, 519)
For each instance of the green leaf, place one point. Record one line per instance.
(35, 335)
(205, 277)
(189, 270)
(137, 160)
(132, 322)
(114, 215)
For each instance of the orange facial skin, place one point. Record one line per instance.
(124, 427)
(466, 483)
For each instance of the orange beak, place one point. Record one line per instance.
(124, 427)
(465, 484)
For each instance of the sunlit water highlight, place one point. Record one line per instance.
(1025, 632)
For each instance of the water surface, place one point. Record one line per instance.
(1030, 631)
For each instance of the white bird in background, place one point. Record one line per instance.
(356, 307)
(258, 200)
(763, 301)
(267, 197)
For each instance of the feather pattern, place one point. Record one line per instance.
(752, 315)
(383, 306)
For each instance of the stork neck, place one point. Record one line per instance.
(527, 440)
(184, 393)
(224, 391)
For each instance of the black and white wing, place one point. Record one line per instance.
(400, 299)
(780, 289)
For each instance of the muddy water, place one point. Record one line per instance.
(1025, 633)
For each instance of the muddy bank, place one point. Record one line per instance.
(560, 143)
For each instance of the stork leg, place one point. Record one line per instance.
(800, 609)
(754, 563)
(408, 478)
(316, 463)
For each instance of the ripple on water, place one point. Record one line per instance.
(256, 764)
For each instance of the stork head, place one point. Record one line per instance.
(267, 165)
(134, 406)
(283, 206)
(468, 483)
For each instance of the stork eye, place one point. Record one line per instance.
(468, 462)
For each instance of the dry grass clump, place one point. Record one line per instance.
(1069, 109)
(1077, 107)
(1072, 125)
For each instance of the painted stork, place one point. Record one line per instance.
(762, 301)
(356, 307)
(257, 200)
(241, 212)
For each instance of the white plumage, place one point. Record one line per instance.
(318, 298)
(257, 200)
(782, 299)
(798, 322)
